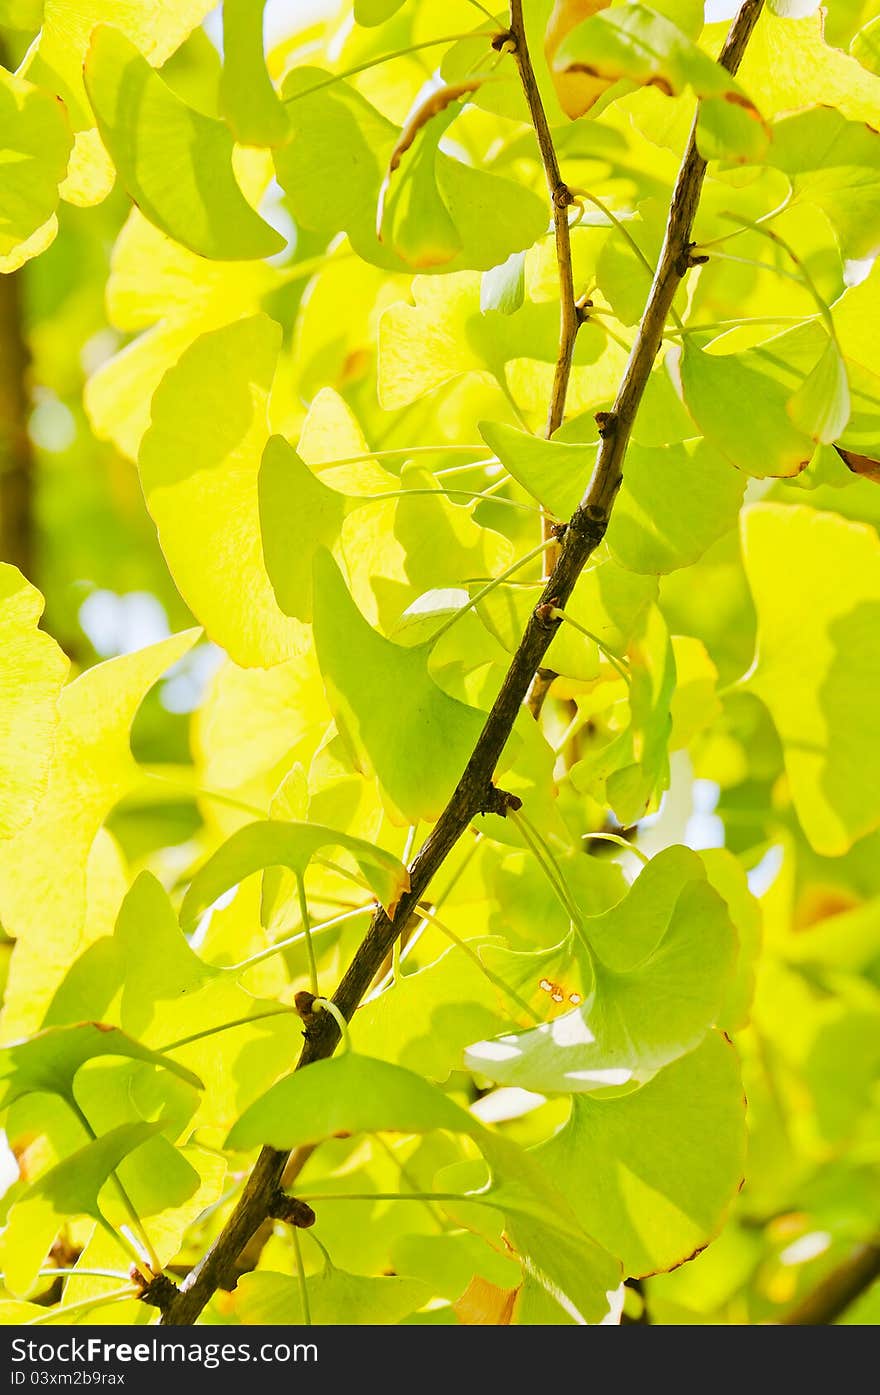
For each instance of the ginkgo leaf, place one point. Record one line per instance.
(274, 844)
(175, 163)
(664, 1163)
(762, 441)
(642, 46)
(577, 91)
(36, 143)
(174, 296)
(788, 65)
(450, 1261)
(834, 164)
(199, 465)
(631, 770)
(148, 979)
(432, 1014)
(248, 100)
(71, 1188)
(32, 672)
(865, 47)
(334, 1297)
(55, 62)
(675, 500)
(370, 12)
(815, 580)
(349, 1094)
(333, 168)
(354, 1093)
(399, 723)
(44, 867)
(660, 960)
(298, 515)
(411, 215)
(49, 1061)
(821, 405)
(503, 287)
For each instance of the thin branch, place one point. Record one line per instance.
(561, 199)
(16, 451)
(838, 1290)
(475, 794)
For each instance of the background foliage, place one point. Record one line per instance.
(277, 344)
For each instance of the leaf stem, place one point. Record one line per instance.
(306, 920)
(613, 659)
(387, 58)
(155, 1263)
(301, 1276)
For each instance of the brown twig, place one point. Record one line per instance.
(471, 795)
(16, 451)
(569, 318)
(838, 1290)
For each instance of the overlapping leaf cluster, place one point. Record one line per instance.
(312, 305)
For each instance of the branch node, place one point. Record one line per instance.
(304, 1003)
(545, 614)
(157, 1292)
(583, 305)
(607, 424)
(290, 1209)
(504, 42)
(562, 196)
(589, 521)
(690, 258)
(558, 530)
(500, 802)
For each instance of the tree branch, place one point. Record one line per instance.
(838, 1290)
(16, 451)
(569, 316)
(471, 796)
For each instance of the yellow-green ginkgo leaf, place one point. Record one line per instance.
(675, 500)
(148, 979)
(399, 723)
(175, 163)
(44, 868)
(298, 514)
(652, 1174)
(762, 441)
(334, 1297)
(333, 169)
(35, 142)
(199, 465)
(32, 672)
(55, 62)
(834, 164)
(71, 1188)
(659, 962)
(815, 580)
(354, 1093)
(270, 843)
(247, 98)
(636, 43)
(168, 296)
(48, 1062)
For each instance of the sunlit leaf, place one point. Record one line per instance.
(399, 723)
(815, 579)
(36, 141)
(247, 98)
(32, 672)
(658, 962)
(175, 163)
(293, 845)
